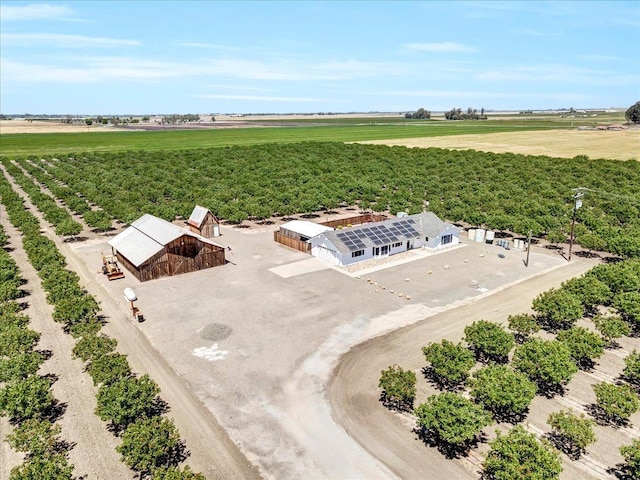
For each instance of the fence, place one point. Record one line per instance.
(292, 242)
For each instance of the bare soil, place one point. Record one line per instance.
(615, 145)
(356, 405)
(93, 452)
(211, 451)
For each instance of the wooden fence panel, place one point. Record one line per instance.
(292, 242)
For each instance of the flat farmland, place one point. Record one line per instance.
(614, 145)
(85, 139)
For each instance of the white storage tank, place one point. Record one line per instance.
(490, 236)
(480, 235)
(471, 234)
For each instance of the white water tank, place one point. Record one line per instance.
(130, 295)
(471, 234)
(480, 235)
(490, 236)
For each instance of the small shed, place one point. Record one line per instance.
(152, 248)
(203, 222)
(297, 233)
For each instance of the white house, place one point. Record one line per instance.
(381, 239)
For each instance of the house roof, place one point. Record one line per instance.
(147, 236)
(198, 215)
(305, 228)
(386, 232)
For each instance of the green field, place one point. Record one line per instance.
(51, 143)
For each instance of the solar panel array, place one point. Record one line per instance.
(379, 234)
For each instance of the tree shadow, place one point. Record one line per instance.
(52, 377)
(487, 358)
(605, 420)
(393, 403)
(564, 445)
(159, 407)
(621, 472)
(55, 411)
(507, 416)
(440, 382)
(448, 450)
(46, 354)
(550, 390)
(75, 239)
(552, 326)
(586, 364)
(24, 292)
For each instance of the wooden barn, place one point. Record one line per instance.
(204, 223)
(151, 248)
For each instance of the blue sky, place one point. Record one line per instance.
(126, 57)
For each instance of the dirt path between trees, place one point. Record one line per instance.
(353, 389)
(211, 450)
(93, 452)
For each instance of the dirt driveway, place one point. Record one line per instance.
(258, 338)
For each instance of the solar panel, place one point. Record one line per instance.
(341, 235)
(377, 241)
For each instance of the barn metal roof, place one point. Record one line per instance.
(135, 246)
(147, 236)
(160, 230)
(197, 216)
(303, 227)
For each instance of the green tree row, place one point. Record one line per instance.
(26, 397)
(125, 401)
(498, 191)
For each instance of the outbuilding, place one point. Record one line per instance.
(204, 223)
(297, 233)
(382, 239)
(152, 248)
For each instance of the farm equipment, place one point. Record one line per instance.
(111, 268)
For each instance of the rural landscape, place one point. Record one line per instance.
(312, 240)
(438, 360)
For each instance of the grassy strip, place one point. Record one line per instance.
(40, 143)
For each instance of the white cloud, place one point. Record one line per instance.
(259, 98)
(558, 73)
(36, 11)
(62, 40)
(454, 95)
(440, 47)
(97, 69)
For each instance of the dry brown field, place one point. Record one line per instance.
(618, 145)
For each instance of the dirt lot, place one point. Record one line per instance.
(36, 126)
(618, 145)
(258, 338)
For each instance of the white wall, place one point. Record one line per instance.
(436, 242)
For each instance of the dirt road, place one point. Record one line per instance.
(354, 395)
(211, 450)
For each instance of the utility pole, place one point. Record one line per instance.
(528, 249)
(577, 197)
